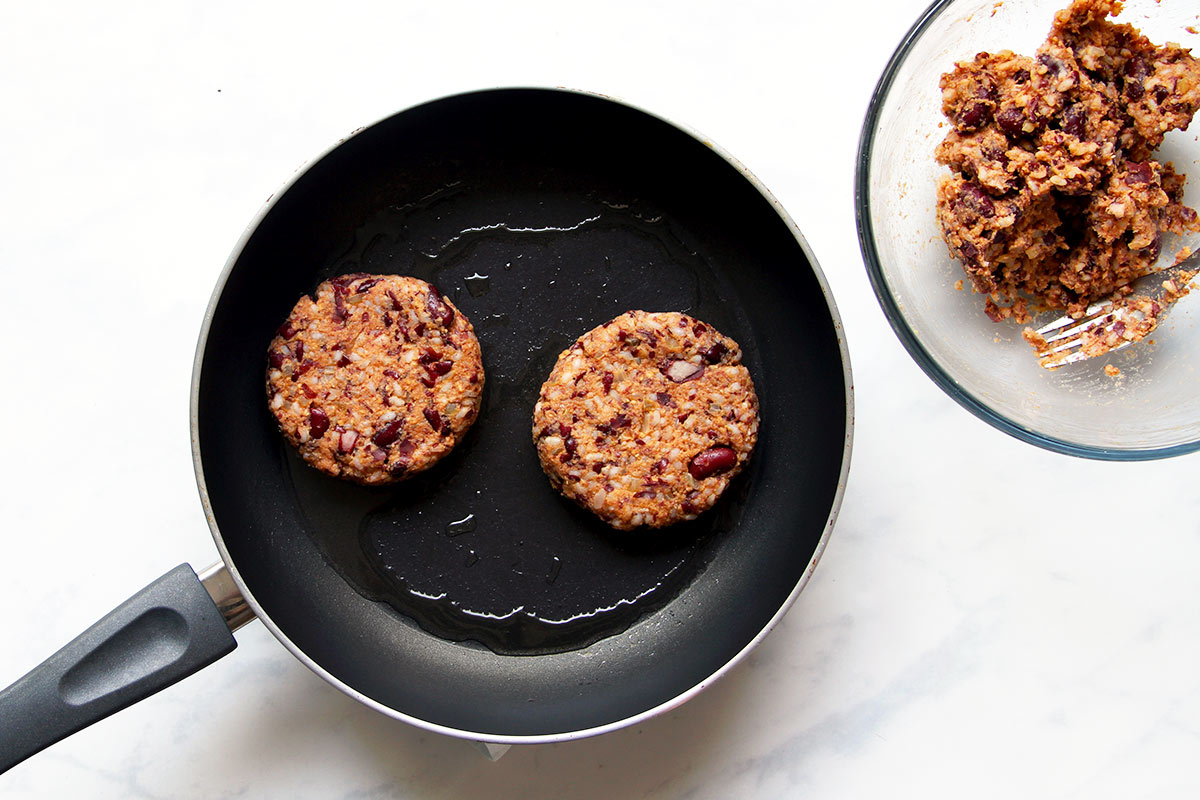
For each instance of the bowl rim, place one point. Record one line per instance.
(895, 317)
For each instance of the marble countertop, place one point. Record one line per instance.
(944, 647)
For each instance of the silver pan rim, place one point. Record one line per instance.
(634, 719)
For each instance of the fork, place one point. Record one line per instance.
(1065, 337)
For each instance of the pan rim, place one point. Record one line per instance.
(682, 697)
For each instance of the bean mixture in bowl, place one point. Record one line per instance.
(1055, 199)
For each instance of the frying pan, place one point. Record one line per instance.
(472, 600)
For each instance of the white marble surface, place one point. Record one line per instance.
(944, 648)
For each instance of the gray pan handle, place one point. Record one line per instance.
(163, 633)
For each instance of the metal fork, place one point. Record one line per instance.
(1065, 336)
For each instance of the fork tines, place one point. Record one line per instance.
(1064, 337)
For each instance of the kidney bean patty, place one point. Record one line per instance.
(375, 378)
(646, 419)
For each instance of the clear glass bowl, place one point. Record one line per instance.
(1152, 409)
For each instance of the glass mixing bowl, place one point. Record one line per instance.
(1152, 409)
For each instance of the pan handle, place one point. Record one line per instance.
(163, 633)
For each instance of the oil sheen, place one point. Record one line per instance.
(480, 549)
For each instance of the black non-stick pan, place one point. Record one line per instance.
(472, 599)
